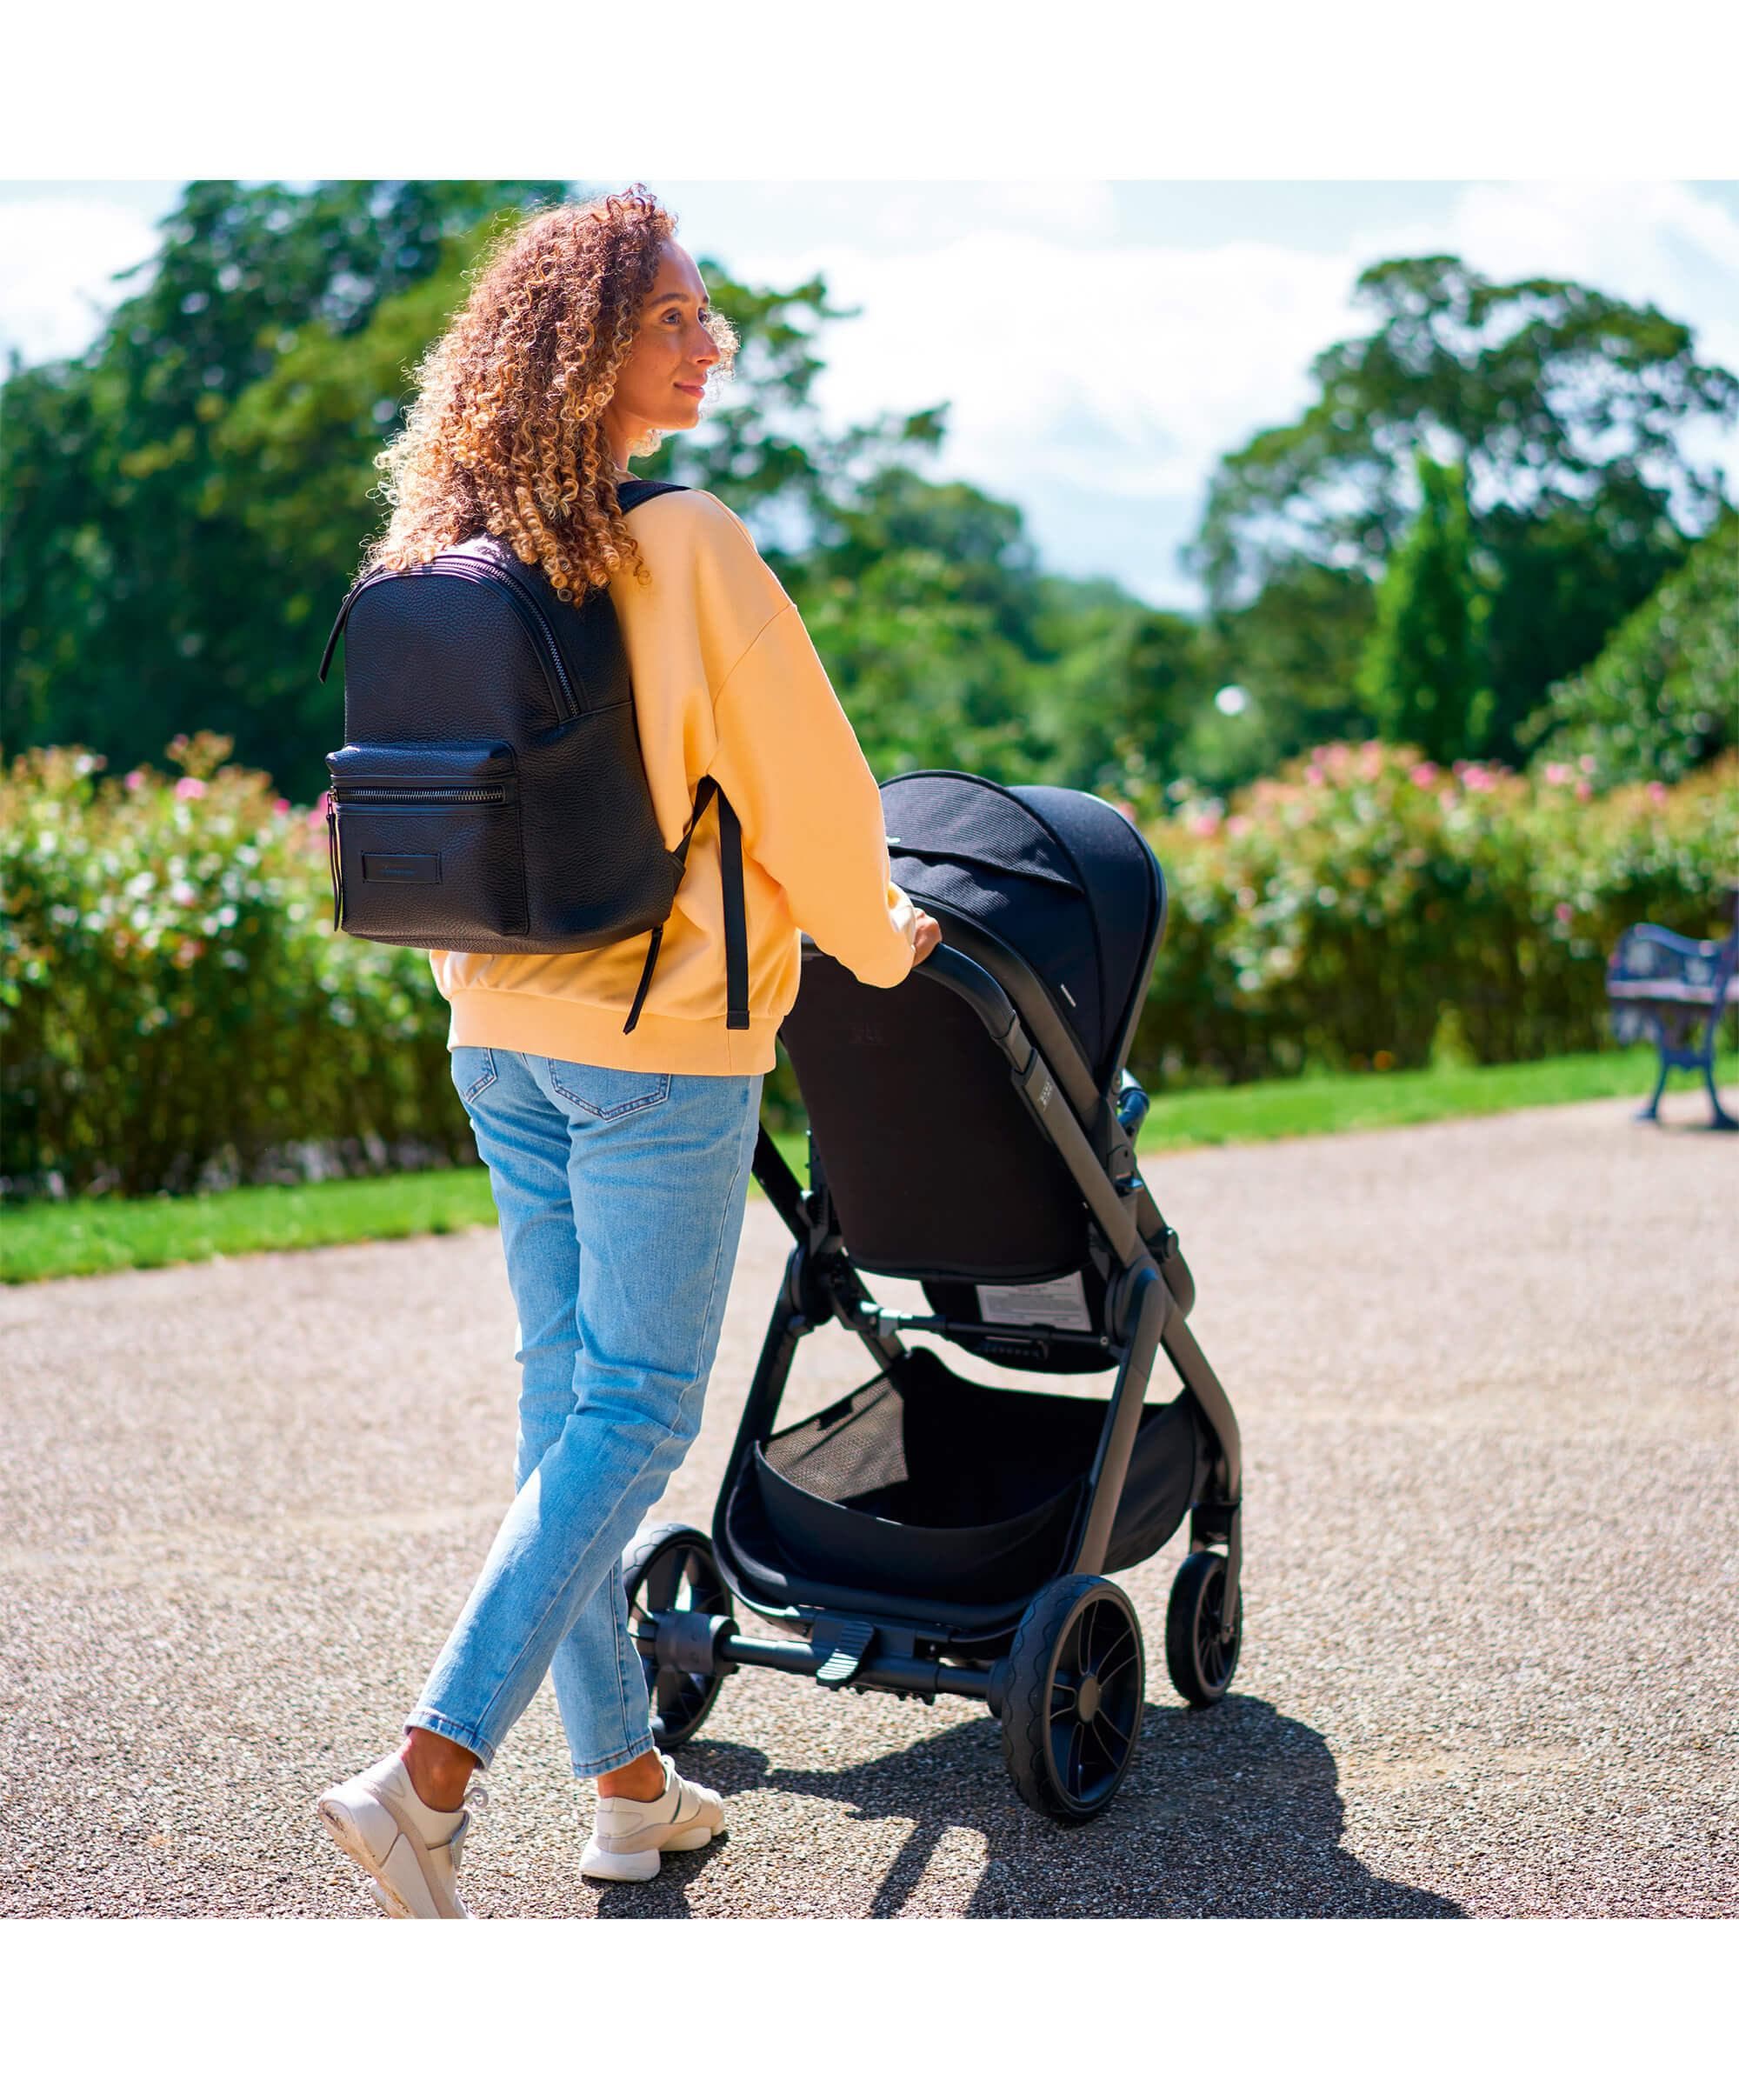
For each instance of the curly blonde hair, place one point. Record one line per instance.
(506, 433)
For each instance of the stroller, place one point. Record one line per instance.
(974, 1129)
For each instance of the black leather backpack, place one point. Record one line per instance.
(490, 796)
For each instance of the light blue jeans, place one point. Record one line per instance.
(620, 1197)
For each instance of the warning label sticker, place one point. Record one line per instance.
(1061, 1303)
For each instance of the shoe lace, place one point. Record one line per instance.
(476, 1800)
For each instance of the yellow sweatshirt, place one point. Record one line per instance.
(726, 681)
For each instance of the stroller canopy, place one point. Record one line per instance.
(1054, 874)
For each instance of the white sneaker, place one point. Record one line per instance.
(409, 1852)
(630, 1836)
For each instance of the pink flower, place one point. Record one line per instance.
(187, 788)
(1559, 776)
(280, 808)
(1585, 793)
(1423, 774)
(1586, 762)
(1657, 794)
(1205, 825)
(317, 815)
(1563, 912)
(134, 780)
(1477, 779)
(1315, 775)
(1237, 826)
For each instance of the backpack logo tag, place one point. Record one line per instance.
(401, 867)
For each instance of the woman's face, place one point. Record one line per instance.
(660, 383)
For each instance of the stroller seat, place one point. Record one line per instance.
(935, 1168)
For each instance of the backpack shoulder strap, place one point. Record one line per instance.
(630, 495)
(736, 922)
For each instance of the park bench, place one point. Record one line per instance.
(1674, 993)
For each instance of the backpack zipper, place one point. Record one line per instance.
(488, 571)
(353, 794)
(482, 570)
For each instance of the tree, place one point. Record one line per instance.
(1565, 408)
(141, 596)
(1566, 582)
(1118, 687)
(1424, 673)
(1663, 696)
(923, 600)
(1295, 650)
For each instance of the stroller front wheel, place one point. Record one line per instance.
(1199, 1658)
(1076, 1676)
(670, 1568)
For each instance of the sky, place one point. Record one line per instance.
(1100, 344)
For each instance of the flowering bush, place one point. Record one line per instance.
(175, 1010)
(1346, 912)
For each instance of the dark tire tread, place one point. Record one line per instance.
(643, 1551)
(1195, 1589)
(1026, 1704)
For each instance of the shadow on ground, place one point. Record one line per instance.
(1233, 1813)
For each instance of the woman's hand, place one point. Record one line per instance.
(928, 934)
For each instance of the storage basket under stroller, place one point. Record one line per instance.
(973, 1129)
(925, 1485)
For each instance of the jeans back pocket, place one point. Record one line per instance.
(605, 1092)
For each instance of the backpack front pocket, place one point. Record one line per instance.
(425, 843)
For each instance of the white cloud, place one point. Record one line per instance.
(1640, 233)
(1089, 377)
(1077, 374)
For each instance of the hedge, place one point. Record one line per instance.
(1367, 905)
(176, 1013)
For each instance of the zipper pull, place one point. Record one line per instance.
(334, 863)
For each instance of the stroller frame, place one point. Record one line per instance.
(907, 1646)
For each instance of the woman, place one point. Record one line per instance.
(619, 1162)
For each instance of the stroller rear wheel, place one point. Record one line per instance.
(1072, 1697)
(670, 1568)
(1199, 1658)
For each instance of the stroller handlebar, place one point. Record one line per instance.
(974, 984)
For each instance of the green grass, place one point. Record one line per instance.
(91, 1235)
(1379, 1101)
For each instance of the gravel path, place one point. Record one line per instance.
(1488, 1377)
